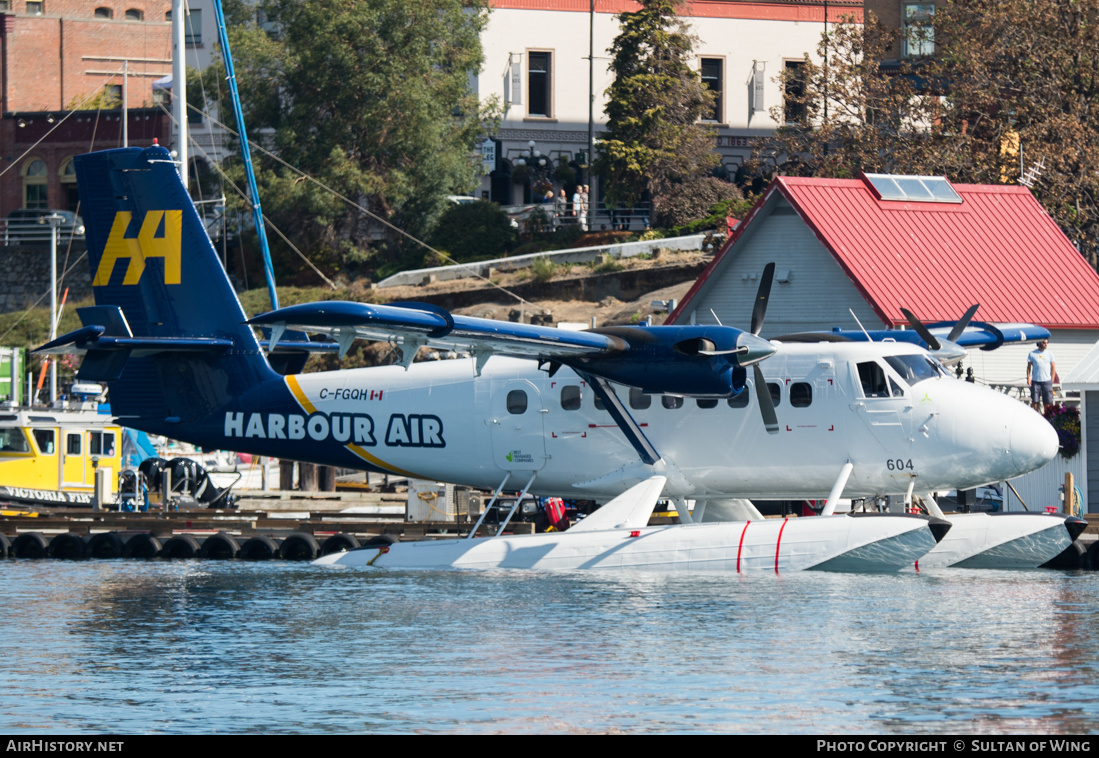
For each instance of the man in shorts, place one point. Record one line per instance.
(1040, 369)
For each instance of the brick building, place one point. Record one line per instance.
(56, 55)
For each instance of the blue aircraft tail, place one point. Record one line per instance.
(167, 332)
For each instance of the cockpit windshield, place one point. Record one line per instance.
(913, 368)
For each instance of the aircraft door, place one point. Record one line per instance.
(883, 406)
(518, 426)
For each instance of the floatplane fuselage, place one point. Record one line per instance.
(619, 414)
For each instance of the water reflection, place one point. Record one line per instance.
(193, 646)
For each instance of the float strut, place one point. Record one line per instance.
(491, 502)
(837, 489)
(500, 529)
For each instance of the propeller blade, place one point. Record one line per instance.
(921, 330)
(766, 405)
(959, 327)
(764, 292)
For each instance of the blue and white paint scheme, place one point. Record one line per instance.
(714, 412)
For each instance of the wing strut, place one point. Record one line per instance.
(622, 417)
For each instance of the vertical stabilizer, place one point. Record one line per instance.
(151, 257)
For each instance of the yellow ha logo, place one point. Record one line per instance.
(159, 237)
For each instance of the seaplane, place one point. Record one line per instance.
(621, 415)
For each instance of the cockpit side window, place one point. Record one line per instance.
(872, 378)
(913, 368)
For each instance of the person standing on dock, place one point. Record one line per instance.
(1040, 369)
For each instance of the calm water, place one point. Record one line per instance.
(205, 647)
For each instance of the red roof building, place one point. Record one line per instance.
(872, 245)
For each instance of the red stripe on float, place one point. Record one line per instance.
(741, 546)
(778, 544)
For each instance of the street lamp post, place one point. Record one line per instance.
(533, 159)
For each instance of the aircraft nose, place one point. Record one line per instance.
(1033, 439)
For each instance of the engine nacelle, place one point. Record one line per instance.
(695, 360)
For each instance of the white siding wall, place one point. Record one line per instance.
(1007, 365)
(1041, 488)
(816, 297)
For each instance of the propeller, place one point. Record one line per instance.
(946, 350)
(763, 394)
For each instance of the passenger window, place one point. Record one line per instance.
(801, 394)
(599, 404)
(570, 397)
(872, 378)
(671, 401)
(639, 401)
(741, 399)
(776, 393)
(706, 402)
(72, 444)
(517, 402)
(45, 441)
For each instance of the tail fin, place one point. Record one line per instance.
(151, 258)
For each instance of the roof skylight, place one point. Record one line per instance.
(912, 189)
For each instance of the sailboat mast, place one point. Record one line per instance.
(179, 87)
(246, 154)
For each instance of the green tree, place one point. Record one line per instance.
(371, 99)
(1007, 76)
(654, 139)
(848, 115)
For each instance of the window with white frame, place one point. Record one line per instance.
(539, 84)
(919, 30)
(712, 72)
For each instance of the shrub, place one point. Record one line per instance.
(542, 269)
(693, 200)
(474, 231)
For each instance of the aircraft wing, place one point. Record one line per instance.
(418, 324)
(988, 336)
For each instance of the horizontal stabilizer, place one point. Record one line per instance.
(630, 510)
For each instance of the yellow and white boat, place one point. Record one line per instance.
(50, 456)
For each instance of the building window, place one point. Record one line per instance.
(711, 73)
(35, 180)
(192, 28)
(919, 32)
(539, 73)
(35, 8)
(69, 194)
(794, 107)
(133, 14)
(104, 13)
(5, 5)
